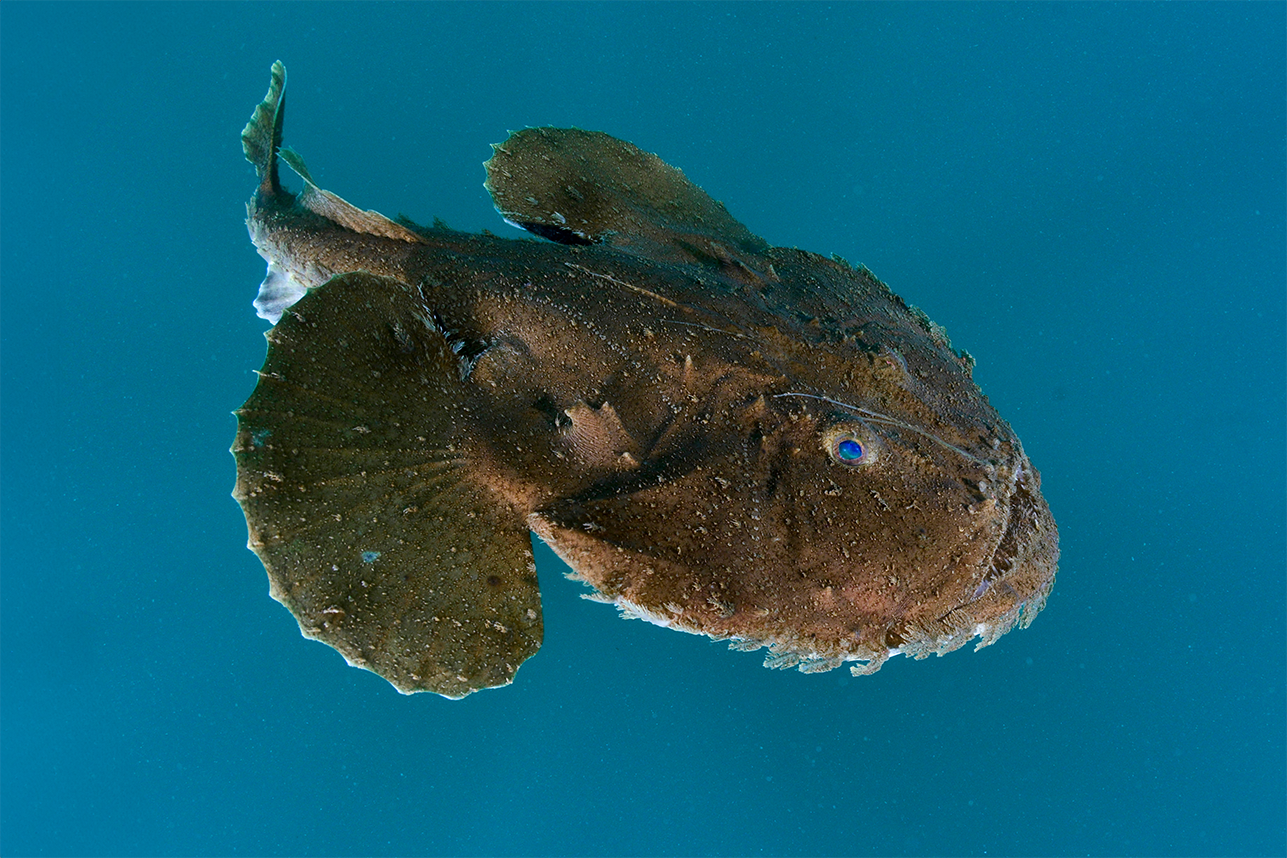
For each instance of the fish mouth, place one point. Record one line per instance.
(1023, 564)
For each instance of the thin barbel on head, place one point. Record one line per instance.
(877, 417)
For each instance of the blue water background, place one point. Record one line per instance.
(1090, 198)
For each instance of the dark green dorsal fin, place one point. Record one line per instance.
(585, 187)
(362, 500)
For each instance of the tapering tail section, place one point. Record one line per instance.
(262, 142)
(262, 137)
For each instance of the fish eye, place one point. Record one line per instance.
(850, 444)
(849, 450)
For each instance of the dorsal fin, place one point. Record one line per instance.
(337, 210)
(586, 187)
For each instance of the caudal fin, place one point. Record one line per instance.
(262, 137)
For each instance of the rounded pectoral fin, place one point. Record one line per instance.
(361, 499)
(586, 187)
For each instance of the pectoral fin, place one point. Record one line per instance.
(354, 473)
(586, 187)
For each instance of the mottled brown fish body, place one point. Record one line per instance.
(720, 436)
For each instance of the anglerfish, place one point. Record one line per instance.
(754, 443)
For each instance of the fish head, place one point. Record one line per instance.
(823, 529)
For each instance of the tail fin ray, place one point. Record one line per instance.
(262, 137)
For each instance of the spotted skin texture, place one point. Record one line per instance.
(720, 436)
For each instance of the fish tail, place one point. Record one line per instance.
(262, 137)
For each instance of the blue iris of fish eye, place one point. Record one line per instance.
(849, 445)
(849, 451)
